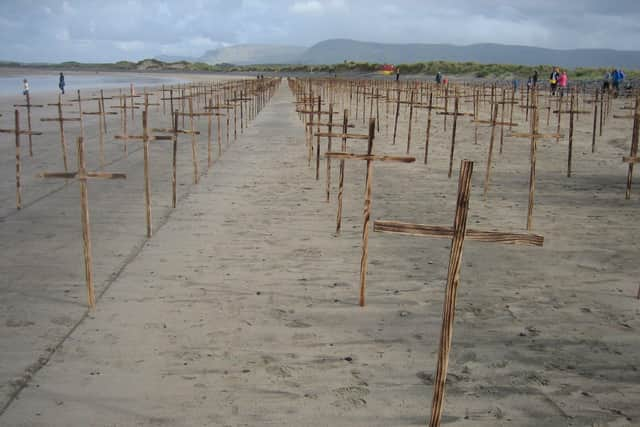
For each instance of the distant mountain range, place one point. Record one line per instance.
(339, 50)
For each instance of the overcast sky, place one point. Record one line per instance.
(111, 30)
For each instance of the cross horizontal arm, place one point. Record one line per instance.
(64, 119)
(185, 131)
(631, 159)
(327, 124)
(342, 135)
(29, 105)
(537, 135)
(381, 158)
(71, 175)
(22, 132)
(440, 231)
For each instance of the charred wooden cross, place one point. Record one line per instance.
(457, 233)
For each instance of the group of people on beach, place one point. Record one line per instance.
(613, 80)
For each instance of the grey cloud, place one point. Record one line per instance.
(109, 30)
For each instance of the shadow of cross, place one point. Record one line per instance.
(369, 158)
(17, 132)
(82, 175)
(457, 233)
(145, 138)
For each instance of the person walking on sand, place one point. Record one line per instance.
(25, 90)
(535, 78)
(398, 74)
(606, 81)
(553, 80)
(61, 83)
(563, 80)
(439, 78)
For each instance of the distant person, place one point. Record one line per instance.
(618, 78)
(529, 83)
(445, 81)
(606, 81)
(439, 77)
(25, 87)
(535, 78)
(563, 80)
(398, 74)
(553, 80)
(61, 83)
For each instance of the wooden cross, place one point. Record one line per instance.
(194, 143)
(633, 156)
(209, 113)
(572, 113)
(242, 99)
(317, 123)
(17, 132)
(102, 124)
(330, 135)
(82, 175)
(29, 106)
(60, 119)
(533, 137)
(175, 131)
(430, 107)
(369, 158)
(123, 116)
(457, 233)
(219, 106)
(145, 138)
(455, 115)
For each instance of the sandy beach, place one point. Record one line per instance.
(242, 309)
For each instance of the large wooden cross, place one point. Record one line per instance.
(29, 106)
(457, 233)
(60, 119)
(82, 175)
(146, 138)
(369, 157)
(17, 132)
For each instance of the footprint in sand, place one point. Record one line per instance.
(351, 397)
